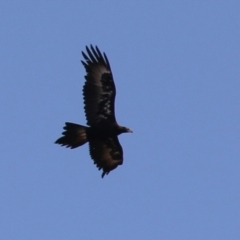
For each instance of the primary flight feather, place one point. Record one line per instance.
(102, 131)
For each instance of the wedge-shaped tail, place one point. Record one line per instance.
(74, 135)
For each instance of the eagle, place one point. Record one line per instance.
(102, 129)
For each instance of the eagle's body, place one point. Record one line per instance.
(99, 95)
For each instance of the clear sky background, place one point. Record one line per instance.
(176, 66)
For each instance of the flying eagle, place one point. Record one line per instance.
(102, 131)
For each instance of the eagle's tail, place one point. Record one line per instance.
(74, 135)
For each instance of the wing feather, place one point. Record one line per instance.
(99, 89)
(107, 154)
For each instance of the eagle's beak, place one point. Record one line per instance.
(130, 131)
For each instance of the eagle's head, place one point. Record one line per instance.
(124, 130)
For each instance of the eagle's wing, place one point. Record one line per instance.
(99, 89)
(107, 154)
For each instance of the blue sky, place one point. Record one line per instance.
(176, 69)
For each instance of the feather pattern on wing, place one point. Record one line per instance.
(99, 89)
(107, 154)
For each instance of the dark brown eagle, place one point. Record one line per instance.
(102, 132)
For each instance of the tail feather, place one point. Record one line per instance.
(74, 135)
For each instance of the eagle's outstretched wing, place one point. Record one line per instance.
(107, 154)
(99, 89)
